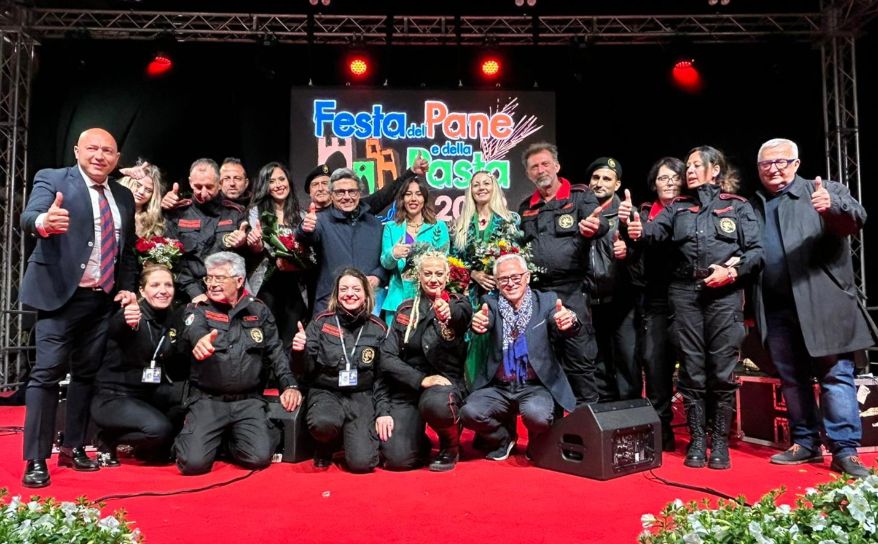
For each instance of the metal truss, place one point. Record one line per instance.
(16, 63)
(423, 30)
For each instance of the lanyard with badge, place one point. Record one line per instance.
(153, 373)
(348, 376)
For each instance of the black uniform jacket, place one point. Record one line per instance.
(200, 228)
(441, 349)
(553, 230)
(246, 344)
(129, 351)
(323, 354)
(708, 229)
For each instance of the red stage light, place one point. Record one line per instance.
(686, 76)
(159, 65)
(358, 66)
(490, 67)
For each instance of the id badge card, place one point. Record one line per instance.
(347, 378)
(152, 375)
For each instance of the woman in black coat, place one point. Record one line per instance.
(422, 361)
(134, 400)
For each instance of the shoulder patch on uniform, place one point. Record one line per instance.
(723, 210)
(216, 316)
(378, 322)
(401, 318)
(530, 213)
(251, 318)
(731, 196)
(329, 328)
(224, 222)
(189, 223)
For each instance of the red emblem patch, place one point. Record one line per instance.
(224, 222)
(251, 318)
(724, 210)
(402, 318)
(216, 316)
(331, 329)
(530, 213)
(190, 223)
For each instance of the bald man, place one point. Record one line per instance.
(83, 264)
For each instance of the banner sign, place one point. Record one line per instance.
(380, 133)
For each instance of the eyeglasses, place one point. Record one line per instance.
(781, 164)
(343, 192)
(208, 280)
(512, 279)
(664, 179)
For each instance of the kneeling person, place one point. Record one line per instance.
(522, 373)
(232, 336)
(422, 362)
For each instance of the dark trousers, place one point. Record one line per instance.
(708, 328)
(144, 421)
(577, 355)
(655, 354)
(437, 406)
(250, 436)
(617, 375)
(334, 416)
(72, 338)
(283, 296)
(488, 410)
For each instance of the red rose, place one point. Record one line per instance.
(143, 245)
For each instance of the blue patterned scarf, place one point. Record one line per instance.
(515, 357)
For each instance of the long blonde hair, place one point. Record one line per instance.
(497, 205)
(150, 220)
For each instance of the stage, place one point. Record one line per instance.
(479, 501)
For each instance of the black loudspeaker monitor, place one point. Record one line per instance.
(296, 441)
(602, 441)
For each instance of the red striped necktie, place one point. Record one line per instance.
(108, 242)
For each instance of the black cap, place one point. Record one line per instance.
(319, 170)
(605, 162)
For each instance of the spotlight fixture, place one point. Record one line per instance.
(521, 3)
(159, 65)
(490, 67)
(686, 76)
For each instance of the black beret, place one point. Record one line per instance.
(605, 162)
(319, 170)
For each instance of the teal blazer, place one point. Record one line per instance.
(398, 289)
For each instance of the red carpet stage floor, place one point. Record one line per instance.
(480, 501)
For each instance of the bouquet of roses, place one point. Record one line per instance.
(458, 276)
(280, 242)
(504, 240)
(159, 250)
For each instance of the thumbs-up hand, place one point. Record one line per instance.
(171, 198)
(309, 223)
(620, 248)
(131, 313)
(480, 320)
(442, 310)
(635, 227)
(625, 208)
(204, 347)
(57, 219)
(300, 339)
(420, 166)
(591, 224)
(236, 238)
(564, 318)
(820, 198)
(254, 237)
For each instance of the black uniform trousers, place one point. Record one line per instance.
(283, 296)
(656, 356)
(487, 411)
(72, 338)
(349, 417)
(578, 354)
(408, 446)
(617, 375)
(249, 435)
(708, 329)
(147, 421)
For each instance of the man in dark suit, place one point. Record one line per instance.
(83, 261)
(522, 374)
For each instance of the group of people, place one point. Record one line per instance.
(362, 331)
